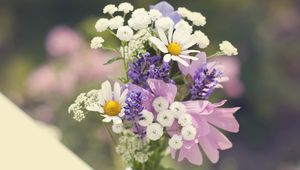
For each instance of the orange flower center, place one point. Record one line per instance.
(174, 48)
(112, 108)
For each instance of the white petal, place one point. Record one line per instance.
(121, 114)
(188, 57)
(189, 43)
(116, 120)
(101, 98)
(170, 34)
(190, 51)
(159, 44)
(107, 119)
(162, 36)
(180, 60)
(106, 90)
(123, 96)
(167, 57)
(100, 110)
(117, 91)
(176, 36)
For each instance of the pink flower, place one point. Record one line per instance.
(42, 80)
(234, 87)
(63, 41)
(206, 117)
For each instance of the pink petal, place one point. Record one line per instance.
(160, 88)
(193, 155)
(223, 118)
(196, 106)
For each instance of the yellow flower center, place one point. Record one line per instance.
(174, 48)
(112, 108)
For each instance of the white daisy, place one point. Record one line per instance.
(112, 102)
(176, 45)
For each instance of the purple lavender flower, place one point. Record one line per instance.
(167, 10)
(133, 109)
(148, 67)
(204, 82)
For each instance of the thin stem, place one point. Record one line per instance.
(217, 54)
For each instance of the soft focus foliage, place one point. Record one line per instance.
(41, 77)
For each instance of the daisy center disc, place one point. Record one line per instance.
(112, 108)
(174, 48)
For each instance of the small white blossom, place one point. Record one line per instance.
(125, 33)
(188, 132)
(139, 21)
(202, 39)
(110, 9)
(197, 18)
(165, 118)
(102, 24)
(117, 128)
(185, 120)
(183, 12)
(139, 12)
(183, 25)
(164, 23)
(79, 115)
(116, 22)
(125, 7)
(154, 131)
(96, 42)
(227, 48)
(147, 118)
(154, 14)
(176, 142)
(178, 109)
(160, 104)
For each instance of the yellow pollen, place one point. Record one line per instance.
(174, 48)
(112, 108)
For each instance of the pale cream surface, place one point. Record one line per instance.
(26, 146)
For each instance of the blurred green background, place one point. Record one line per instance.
(46, 61)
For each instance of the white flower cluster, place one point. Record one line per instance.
(131, 148)
(227, 48)
(84, 102)
(165, 118)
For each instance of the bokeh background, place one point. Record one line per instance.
(45, 61)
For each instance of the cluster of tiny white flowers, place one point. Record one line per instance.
(227, 48)
(164, 23)
(165, 118)
(125, 33)
(160, 104)
(78, 107)
(140, 19)
(137, 44)
(202, 39)
(97, 42)
(117, 128)
(125, 7)
(147, 118)
(195, 17)
(154, 131)
(131, 148)
(116, 22)
(176, 142)
(154, 14)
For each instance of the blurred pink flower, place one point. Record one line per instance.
(42, 80)
(44, 113)
(63, 41)
(234, 87)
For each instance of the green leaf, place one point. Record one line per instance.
(113, 60)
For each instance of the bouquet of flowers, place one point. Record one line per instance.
(160, 107)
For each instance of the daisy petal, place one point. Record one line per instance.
(101, 98)
(190, 51)
(159, 44)
(187, 44)
(107, 119)
(106, 90)
(181, 61)
(167, 57)
(188, 57)
(123, 96)
(162, 36)
(117, 91)
(170, 34)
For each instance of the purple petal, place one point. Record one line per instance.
(148, 96)
(164, 7)
(175, 17)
